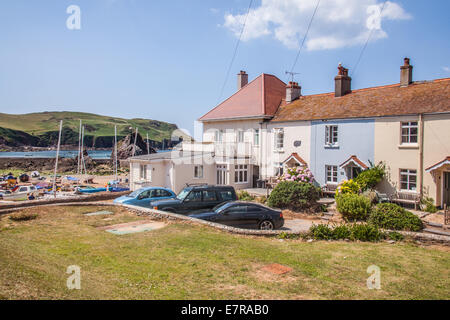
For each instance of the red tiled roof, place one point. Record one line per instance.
(259, 98)
(296, 157)
(392, 100)
(438, 165)
(356, 161)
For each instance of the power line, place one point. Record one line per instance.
(304, 38)
(367, 42)
(235, 51)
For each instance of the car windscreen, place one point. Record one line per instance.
(220, 207)
(183, 194)
(135, 193)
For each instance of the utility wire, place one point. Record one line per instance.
(367, 42)
(306, 35)
(235, 51)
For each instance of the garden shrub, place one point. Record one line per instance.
(429, 205)
(393, 235)
(245, 196)
(353, 207)
(295, 196)
(362, 232)
(321, 232)
(348, 187)
(365, 232)
(297, 174)
(393, 217)
(369, 178)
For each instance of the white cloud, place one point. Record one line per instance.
(338, 23)
(446, 69)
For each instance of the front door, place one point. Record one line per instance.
(221, 175)
(255, 176)
(446, 195)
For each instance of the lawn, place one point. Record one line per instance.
(185, 261)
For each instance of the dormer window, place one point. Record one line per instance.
(331, 136)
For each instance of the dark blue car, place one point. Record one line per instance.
(247, 215)
(144, 196)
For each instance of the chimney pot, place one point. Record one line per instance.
(406, 73)
(242, 79)
(343, 83)
(293, 91)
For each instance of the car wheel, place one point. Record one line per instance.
(266, 225)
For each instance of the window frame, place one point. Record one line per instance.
(408, 173)
(143, 172)
(409, 126)
(197, 172)
(241, 173)
(240, 136)
(278, 144)
(332, 135)
(218, 136)
(334, 172)
(256, 137)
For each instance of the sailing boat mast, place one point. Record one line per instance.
(148, 146)
(115, 153)
(79, 149)
(57, 157)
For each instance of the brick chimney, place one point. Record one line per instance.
(406, 72)
(242, 79)
(293, 91)
(343, 83)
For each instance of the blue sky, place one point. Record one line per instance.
(168, 60)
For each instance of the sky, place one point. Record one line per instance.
(168, 60)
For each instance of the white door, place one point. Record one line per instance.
(221, 175)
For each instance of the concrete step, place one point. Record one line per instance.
(438, 232)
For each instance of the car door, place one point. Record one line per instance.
(143, 199)
(254, 215)
(209, 199)
(159, 194)
(192, 203)
(233, 216)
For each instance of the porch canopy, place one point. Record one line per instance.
(439, 165)
(353, 161)
(294, 160)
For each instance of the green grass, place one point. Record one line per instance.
(96, 125)
(183, 261)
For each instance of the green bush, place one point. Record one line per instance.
(346, 187)
(429, 205)
(369, 178)
(366, 232)
(353, 207)
(362, 232)
(245, 196)
(393, 217)
(321, 232)
(294, 196)
(395, 236)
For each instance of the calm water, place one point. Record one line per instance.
(97, 154)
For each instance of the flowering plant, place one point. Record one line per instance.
(297, 174)
(348, 187)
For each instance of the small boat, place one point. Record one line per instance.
(118, 189)
(89, 190)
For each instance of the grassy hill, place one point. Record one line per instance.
(45, 126)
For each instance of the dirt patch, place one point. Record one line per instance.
(435, 218)
(277, 269)
(291, 215)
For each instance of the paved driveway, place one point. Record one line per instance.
(298, 225)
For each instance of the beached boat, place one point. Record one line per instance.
(20, 193)
(89, 190)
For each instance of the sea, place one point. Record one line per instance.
(94, 154)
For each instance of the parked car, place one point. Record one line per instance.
(246, 215)
(144, 196)
(22, 192)
(197, 198)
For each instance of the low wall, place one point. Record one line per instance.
(102, 196)
(42, 164)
